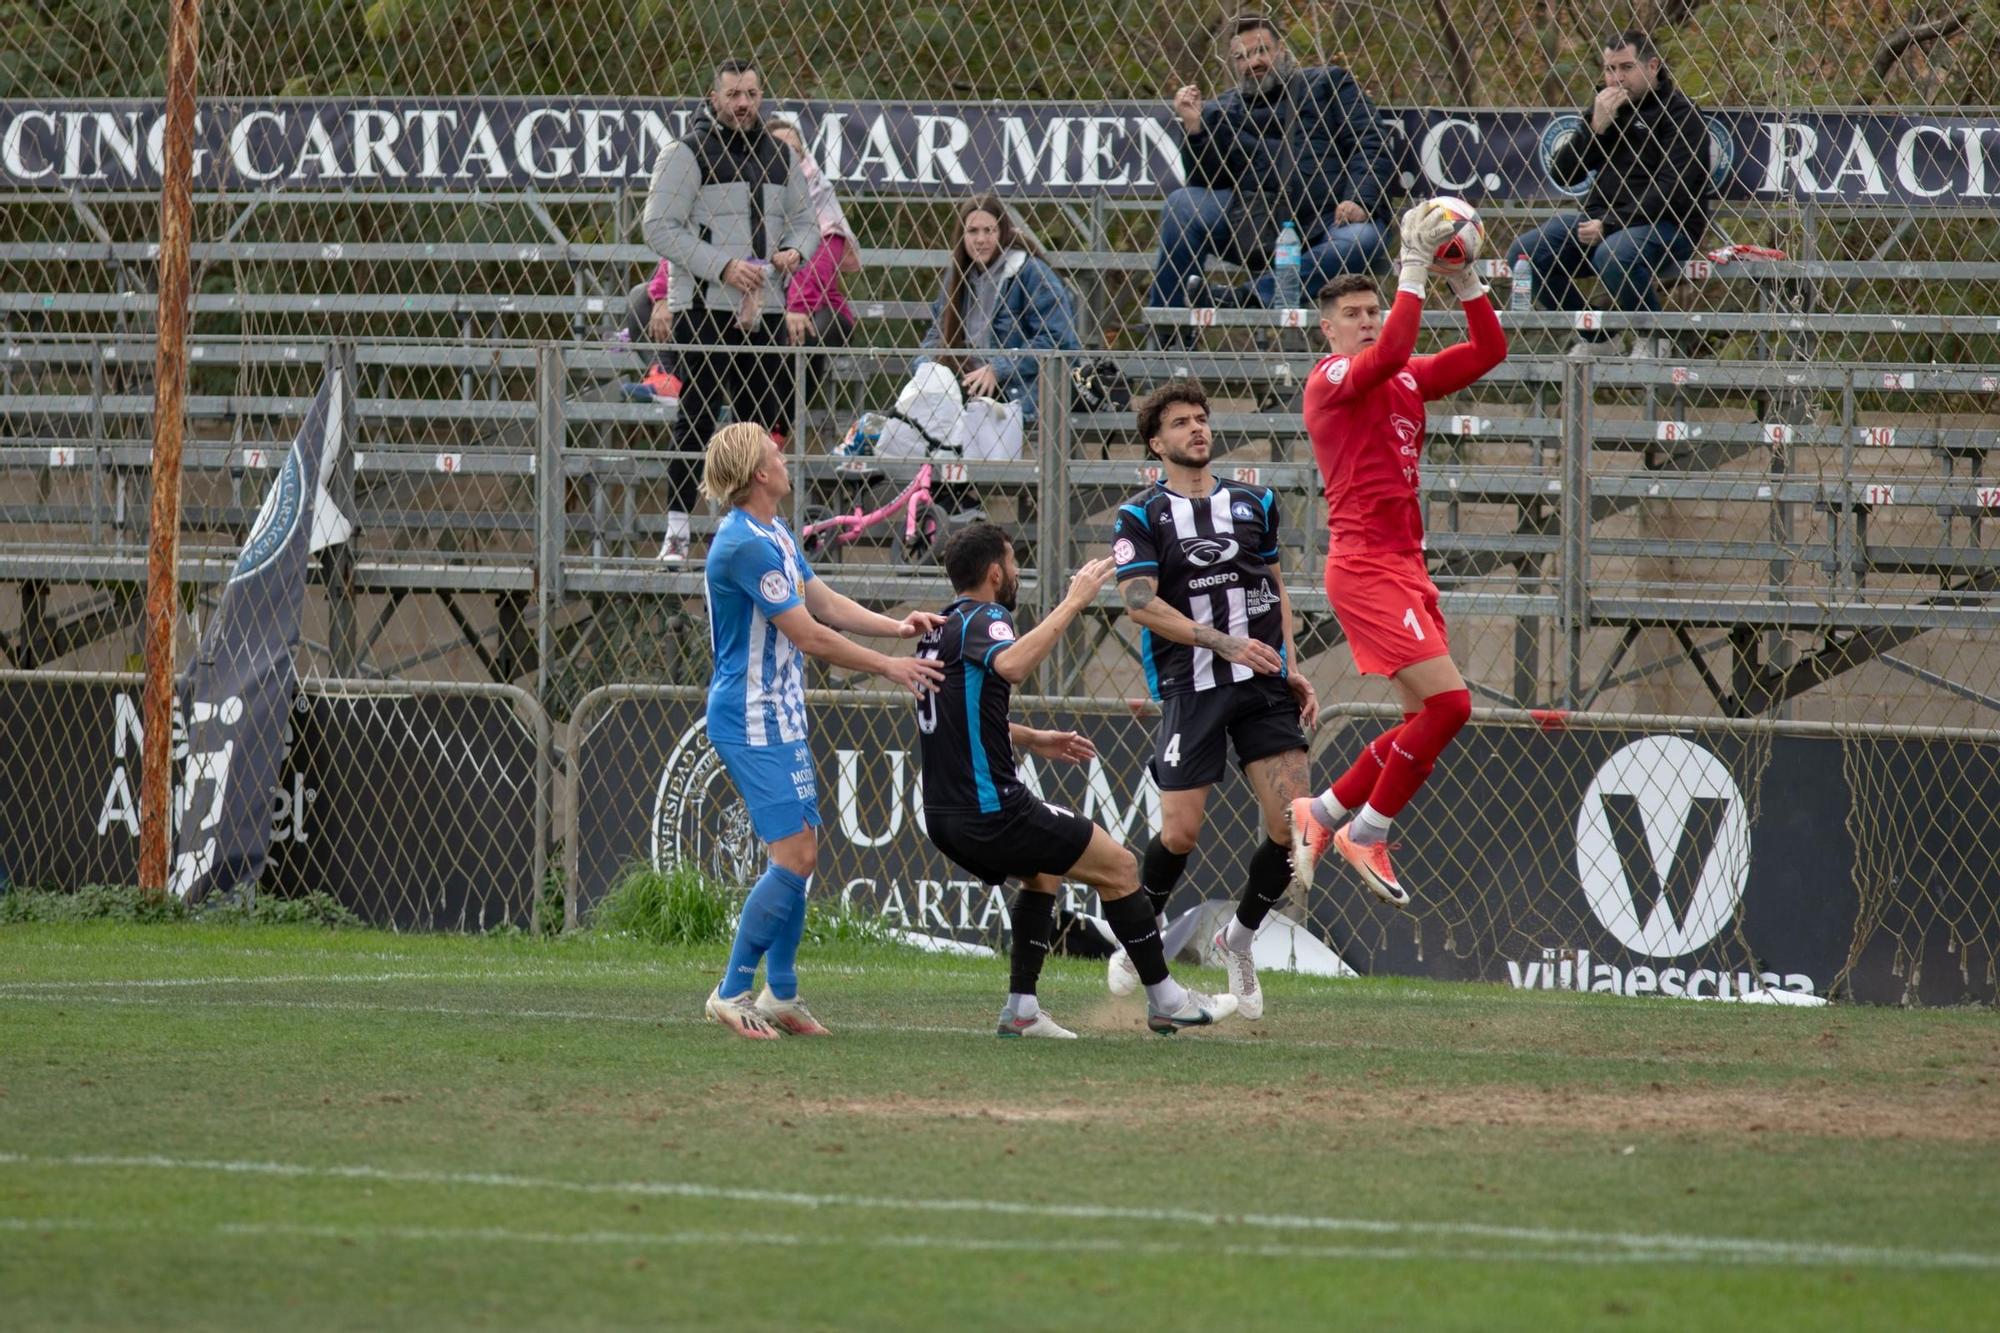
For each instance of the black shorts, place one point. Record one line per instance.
(1023, 838)
(1259, 716)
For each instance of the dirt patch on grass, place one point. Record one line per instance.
(1940, 1114)
(1948, 1113)
(945, 1108)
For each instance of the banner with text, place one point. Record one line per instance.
(1127, 150)
(243, 678)
(1704, 864)
(414, 810)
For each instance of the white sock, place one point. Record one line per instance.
(1024, 1006)
(1370, 827)
(1167, 995)
(678, 532)
(1237, 937)
(1329, 812)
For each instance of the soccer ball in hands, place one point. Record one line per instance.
(1467, 240)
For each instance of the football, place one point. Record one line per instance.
(1466, 243)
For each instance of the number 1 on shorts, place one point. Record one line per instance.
(1410, 619)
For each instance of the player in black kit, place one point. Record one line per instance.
(1197, 564)
(981, 816)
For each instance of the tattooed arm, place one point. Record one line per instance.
(1142, 602)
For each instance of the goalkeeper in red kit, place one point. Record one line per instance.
(1364, 410)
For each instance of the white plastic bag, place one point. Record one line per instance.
(932, 417)
(931, 404)
(989, 429)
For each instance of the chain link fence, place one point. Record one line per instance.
(463, 172)
(1691, 722)
(1771, 539)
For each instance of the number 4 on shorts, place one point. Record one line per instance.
(1410, 619)
(1173, 751)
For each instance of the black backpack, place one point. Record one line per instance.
(1098, 386)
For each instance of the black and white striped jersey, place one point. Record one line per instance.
(1212, 558)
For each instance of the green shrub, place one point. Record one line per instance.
(127, 902)
(831, 921)
(678, 906)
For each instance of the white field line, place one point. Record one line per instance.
(639, 1240)
(607, 969)
(678, 1019)
(493, 975)
(31, 988)
(841, 1025)
(84, 995)
(1735, 1249)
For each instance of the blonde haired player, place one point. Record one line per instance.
(1364, 411)
(765, 609)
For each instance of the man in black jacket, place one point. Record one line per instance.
(1648, 199)
(1285, 144)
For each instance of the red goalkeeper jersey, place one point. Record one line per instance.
(1365, 416)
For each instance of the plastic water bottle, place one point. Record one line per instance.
(1285, 259)
(1522, 294)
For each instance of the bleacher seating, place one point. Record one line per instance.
(458, 439)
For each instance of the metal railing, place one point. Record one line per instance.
(1819, 517)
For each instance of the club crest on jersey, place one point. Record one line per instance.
(1206, 551)
(774, 586)
(1000, 632)
(1406, 379)
(1243, 511)
(1336, 370)
(1122, 550)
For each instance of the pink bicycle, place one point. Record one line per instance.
(825, 533)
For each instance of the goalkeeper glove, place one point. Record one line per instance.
(1466, 284)
(1424, 229)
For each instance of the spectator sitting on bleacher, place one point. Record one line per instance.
(1648, 202)
(816, 310)
(710, 191)
(649, 327)
(999, 292)
(1286, 144)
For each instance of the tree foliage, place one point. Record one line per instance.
(1513, 52)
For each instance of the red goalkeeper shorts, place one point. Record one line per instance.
(1388, 608)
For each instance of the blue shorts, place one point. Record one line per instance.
(776, 782)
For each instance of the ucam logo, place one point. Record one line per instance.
(1206, 551)
(699, 817)
(1663, 846)
(276, 520)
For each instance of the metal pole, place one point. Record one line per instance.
(551, 379)
(1052, 501)
(1577, 391)
(337, 562)
(169, 407)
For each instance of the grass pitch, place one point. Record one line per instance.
(206, 1127)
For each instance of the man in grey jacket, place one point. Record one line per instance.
(731, 209)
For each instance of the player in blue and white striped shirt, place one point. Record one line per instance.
(765, 609)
